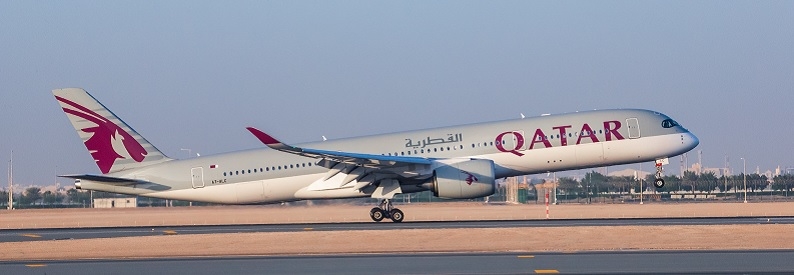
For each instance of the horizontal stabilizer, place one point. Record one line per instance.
(105, 179)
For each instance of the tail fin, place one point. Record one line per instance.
(113, 144)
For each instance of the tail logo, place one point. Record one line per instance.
(470, 178)
(108, 141)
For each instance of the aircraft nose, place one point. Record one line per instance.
(691, 140)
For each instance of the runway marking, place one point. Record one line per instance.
(169, 232)
(525, 256)
(546, 271)
(308, 229)
(35, 265)
(30, 235)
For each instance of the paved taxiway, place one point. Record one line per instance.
(20, 235)
(627, 262)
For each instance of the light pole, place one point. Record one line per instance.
(640, 177)
(744, 175)
(555, 187)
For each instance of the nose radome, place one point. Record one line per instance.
(693, 141)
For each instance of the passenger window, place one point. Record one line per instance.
(224, 174)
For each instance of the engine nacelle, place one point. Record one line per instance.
(464, 180)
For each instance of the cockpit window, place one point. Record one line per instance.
(669, 123)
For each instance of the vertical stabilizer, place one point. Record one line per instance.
(113, 144)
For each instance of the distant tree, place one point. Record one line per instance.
(671, 183)
(756, 182)
(706, 182)
(78, 196)
(3, 197)
(32, 194)
(724, 184)
(596, 181)
(568, 185)
(690, 181)
(622, 184)
(49, 197)
(783, 182)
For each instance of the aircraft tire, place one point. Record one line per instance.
(659, 183)
(376, 214)
(397, 215)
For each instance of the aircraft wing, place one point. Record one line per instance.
(366, 160)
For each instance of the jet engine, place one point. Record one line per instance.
(464, 180)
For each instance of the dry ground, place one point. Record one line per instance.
(55, 218)
(565, 239)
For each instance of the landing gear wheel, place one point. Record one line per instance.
(396, 215)
(376, 214)
(386, 211)
(659, 183)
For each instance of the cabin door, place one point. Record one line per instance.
(197, 177)
(634, 127)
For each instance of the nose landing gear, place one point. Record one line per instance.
(659, 182)
(386, 211)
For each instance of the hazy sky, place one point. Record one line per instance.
(188, 74)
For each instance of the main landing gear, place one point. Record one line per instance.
(659, 182)
(386, 210)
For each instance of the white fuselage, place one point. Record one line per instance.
(517, 147)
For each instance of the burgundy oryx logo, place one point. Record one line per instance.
(108, 141)
(470, 178)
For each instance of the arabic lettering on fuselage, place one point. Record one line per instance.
(422, 143)
(610, 131)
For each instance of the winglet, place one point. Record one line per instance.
(268, 140)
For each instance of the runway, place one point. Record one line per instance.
(612, 262)
(22, 235)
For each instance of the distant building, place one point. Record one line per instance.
(629, 173)
(718, 172)
(116, 203)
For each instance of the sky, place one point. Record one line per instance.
(193, 74)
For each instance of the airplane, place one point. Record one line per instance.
(456, 162)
